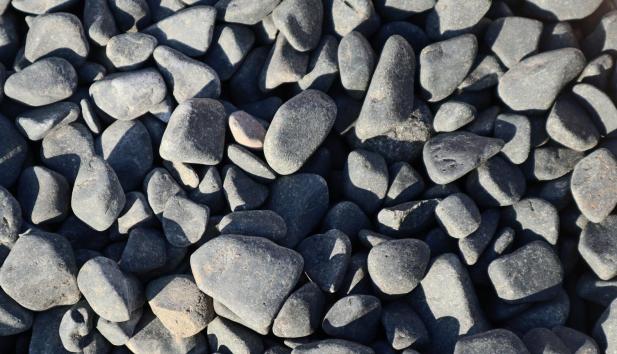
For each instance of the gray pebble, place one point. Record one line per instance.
(405, 184)
(130, 15)
(89, 116)
(403, 326)
(129, 51)
(226, 337)
(210, 190)
(326, 257)
(513, 38)
(126, 96)
(448, 311)
(497, 182)
(262, 223)
(407, 218)
(365, 179)
(332, 346)
(250, 163)
(556, 10)
(57, 34)
(241, 192)
(298, 128)
(453, 115)
(592, 184)
(97, 198)
(473, 246)
(486, 73)
(396, 267)
(301, 313)
(65, 148)
(450, 156)
(605, 331)
(347, 217)
(76, 327)
(515, 131)
(458, 215)
(531, 273)
(99, 22)
(127, 148)
(601, 39)
(145, 251)
(179, 305)
(45, 329)
(230, 46)
(389, 100)
(258, 267)
(244, 84)
(283, 65)
(370, 239)
(501, 243)
(300, 22)
(356, 62)
(10, 210)
(38, 122)
(533, 219)
(15, 319)
(199, 124)
(184, 221)
(599, 105)
(354, 317)
(187, 77)
(119, 333)
(534, 83)
(551, 162)
(46, 283)
(136, 212)
(245, 12)
(46, 81)
(44, 195)
(159, 186)
(576, 341)
(597, 247)
(357, 280)
(322, 68)
(160, 9)
(450, 18)
(493, 341)
(570, 125)
(113, 295)
(344, 16)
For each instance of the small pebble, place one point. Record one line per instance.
(496, 183)
(184, 221)
(365, 179)
(458, 215)
(407, 218)
(450, 18)
(230, 46)
(356, 62)
(129, 51)
(241, 192)
(44, 195)
(301, 313)
(144, 251)
(453, 115)
(246, 130)
(493, 341)
(597, 246)
(300, 22)
(592, 184)
(513, 38)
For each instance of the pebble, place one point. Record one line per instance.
(458, 215)
(598, 71)
(144, 251)
(601, 39)
(245, 12)
(591, 184)
(601, 108)
(283, 65)
(89, 116)
(261, 223)
(450, 156)
(37, 7)
(241, 192)
(210, 190)
(188, 78)
(453, 115)
(298, 128)
(247, 130)
(450, 18)
(403, 326)
(184, 221)
(322, 68)
(347, 217)
(38, 122)
(76, 327)
(227, 337)
(46, 283)
(159, 186)
(596, 246)
(179, 305)
(111, 293)
(388, 98)
(473, 246)
(604, 329)
(493, 341)
(405, 184)
(557, 11)
(551, 162)
(496, 183)
(356, 62)
(130, 15)
(533, 219)
(396, 267)
(533, 83)
(58, 34)
(326, 257)
(345, 16)
(334, 346)
(570, 125)
(513, 38)
(230, 46)
(44, 195)
(407, 218)
(247, 265)
(354, 317)
(99, 22)
(199, 123)
(486, 73)
(129, 51)
(11, 212)
(365, 179)
(46, 81)
(515, 130)
(301, 313)
(65, 147)
(531, 273)
(97, 197)
(45, 333)
(300, 21)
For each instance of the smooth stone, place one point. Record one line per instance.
(570, 125)
(230, 46)
(226, 337)
(601, 39)
(99, 22)
(113, 294)
(210, 190)
(136, 212)
(551, 162)
(322, 68)
(515, 131)
(89, 116)
(241, 192)
(534, 83)
(493, 341)
(14, 319)
(458, 215)
(251, 164)
(354, 317)
(560, 11)
(592, 184)
(261, 223)
(66, 147)
(450, 18)
(597, 246)
(450, 156)
(46, 81)
(76, 327)
(152, 336)
(301, 313)
(283, 65)
(11, 213)
(531, 273)
(453, 115)
(533, 219)
(326, 257)
(389, 98)
(144, 251)
(300, 21)
(258, 267)
(188, 78)
(58, 34)
(97, 198)
(407, 218)
(599, 105)
(497, 182)
(356, 62)
(199, 124)
(44, 195)
(298, 128)
(485, 74)
(396, 267)
(365, 179)
(403, 326)
(513, 38)
(128, 51)
(246, 130)
(37, 123)
(343, 17)
(159, 186)
(598, 71)
(184, 221)
(46, 283)
(183, 173)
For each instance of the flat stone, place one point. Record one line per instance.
(450, 156)
(458, 215)
(129, 51)
(44, 195)
(301, 313)
(515, 131)
(497, 182)
(597, 245)
(533, 219)
(407, 218)
(199, 125)
(354, 317)
(591, 184)
(326, 257)
(184, 221)
(356, 62)
(300, 22)
(450, 18)
(513, 38)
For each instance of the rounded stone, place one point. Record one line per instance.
(353, 317)
(37, 123)
(356, 62)
(246, 130)
(128, 51)
(593, 184)
(10, 211)
(65, 148)
(58, 34)
(261, 223)
(184, 221)
(301, 313)
(326, 257)
(365, 179)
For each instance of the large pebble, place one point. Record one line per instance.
(229, 267)
(365, 179)
(159, 186)
(241, 192)
(533, 219)
(113, 295)
(99, 22)
(46, 81)
(458, 215)
(301, 313)
(151, 336)
(453, 115)
(551, 162)
(344, 16)
(57, 34)
(570, 125)
(13, 152)
(353, 317)
(195, 133)
(97, 198)
(184, 221)
(144, 251)
(450, 156)
(593, 184)
(38, 122)
(298, 128)
(247, 12)
(599, 105)
(44, 195)
(326, 257)
(283, 65)
(597, 245)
